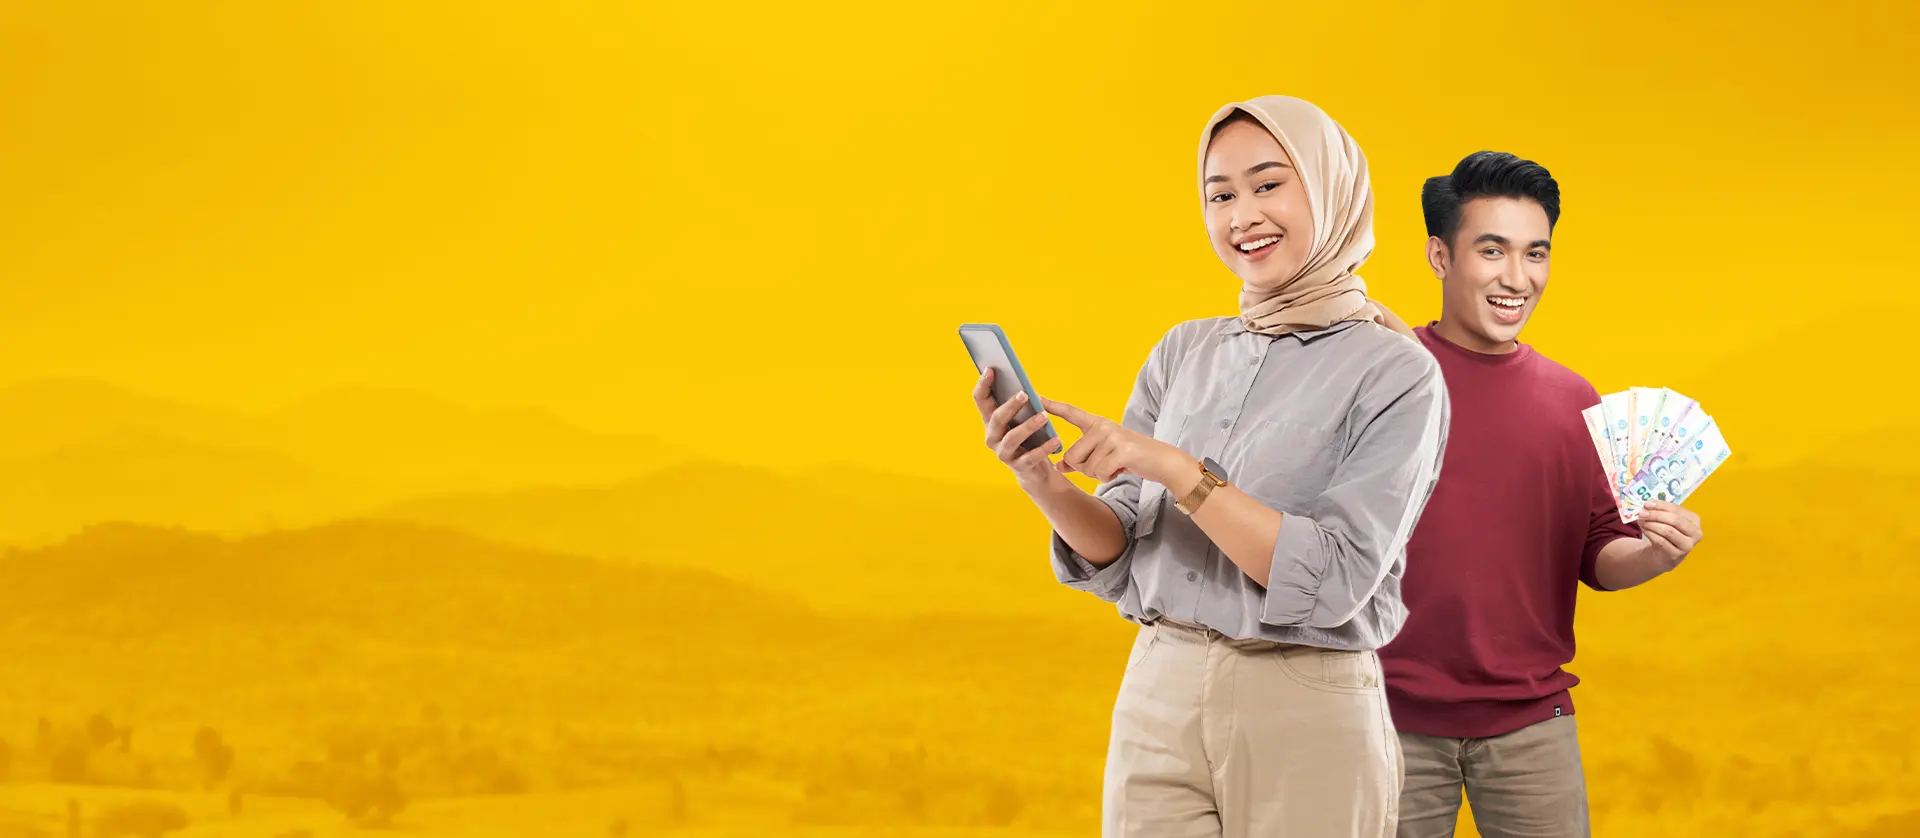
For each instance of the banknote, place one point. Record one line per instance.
(1653, 444)
(1661, 476)
(1674, 410)
(1708, 450)
(1647, 402)
(1682, 432)
(1596, 418)
(1618, 407)
(1674, 474)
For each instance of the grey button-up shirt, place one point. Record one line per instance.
(1341, 430)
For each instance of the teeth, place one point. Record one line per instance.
(1510, 302)
(1256, 244)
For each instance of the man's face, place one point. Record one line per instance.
(1494, 270)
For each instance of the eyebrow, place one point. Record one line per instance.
(1501, 240)
(1257, 168)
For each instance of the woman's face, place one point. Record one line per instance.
(1257, 214)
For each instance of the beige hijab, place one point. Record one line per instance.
(1340, 195)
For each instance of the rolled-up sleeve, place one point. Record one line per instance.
(1122, 494)
(1110, 582)
(1329, 563)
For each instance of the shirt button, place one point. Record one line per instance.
(1225, 422)
(1192, 576)
(1253, 361)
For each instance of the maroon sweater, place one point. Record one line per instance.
(1514, 526)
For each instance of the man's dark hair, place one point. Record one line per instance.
(1486, 174)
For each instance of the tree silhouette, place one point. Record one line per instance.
(1003, 805)
(142, 819)
(69, 763)
(214, 755)
(366, 801)
(677, 802)
(100, 731)
(389, 756)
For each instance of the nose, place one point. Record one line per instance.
(1513, 274)
(1244, 218)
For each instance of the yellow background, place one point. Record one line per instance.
(565, 399)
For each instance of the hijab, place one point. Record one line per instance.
(1325, 290)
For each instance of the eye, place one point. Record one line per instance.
(1274, 184)
(1490, 252)
(1221, 197)
(1538, 254)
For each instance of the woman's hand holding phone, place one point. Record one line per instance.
(1032, 468)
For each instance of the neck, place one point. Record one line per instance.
(1458, 335)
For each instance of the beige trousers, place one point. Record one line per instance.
(1226, 738)
(1524, 784)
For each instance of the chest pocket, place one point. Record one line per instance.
(1153, 496)
(1288, 465)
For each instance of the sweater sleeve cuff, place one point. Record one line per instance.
(1074, 571)
(1299, 563)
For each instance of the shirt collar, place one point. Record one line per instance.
(1238, 325)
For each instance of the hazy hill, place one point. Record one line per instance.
(844, 539)
(39, 417)
(393, 581)
(410, 442)
(125, 473)
(1764, 398)
(274, 638)
(74, 452)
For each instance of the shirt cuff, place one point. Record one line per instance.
(1299, 563)
(1074, 571)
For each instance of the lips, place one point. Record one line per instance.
(1253, 250)
(1507, 310)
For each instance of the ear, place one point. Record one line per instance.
(1437, 256)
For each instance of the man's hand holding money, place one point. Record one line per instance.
(1671, 530)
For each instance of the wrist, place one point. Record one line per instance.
(1653, 560)
(1176, 470)
(1051, 483)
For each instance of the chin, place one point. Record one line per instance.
(1503, 333)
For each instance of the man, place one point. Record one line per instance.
(1522, 515)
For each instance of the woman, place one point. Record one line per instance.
(1255, 504)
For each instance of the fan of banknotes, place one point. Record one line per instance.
(1655, 445)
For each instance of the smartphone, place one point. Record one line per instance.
(989, 347)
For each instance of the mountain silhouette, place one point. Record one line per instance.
(46, 415)
(410, 442)
(365, 621)
(842, 538)
(398, 582)
(1758, 396)
(75, 452)
(136, 475)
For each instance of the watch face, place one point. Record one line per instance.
(1214, 468)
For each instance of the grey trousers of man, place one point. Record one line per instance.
(1524, 784)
